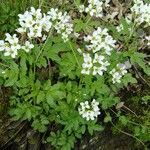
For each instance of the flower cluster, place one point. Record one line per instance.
(100, 40)
(141, 12)
(95, 66)
(61, 23)
(100, 44)
(11, 45)
(34, 23)
(89, 111)
(37, 24)
(94, 8)
(118, 72)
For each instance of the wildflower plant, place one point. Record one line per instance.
(67, 70)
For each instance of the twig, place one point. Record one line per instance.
(3, 147)
(130, 110)
(137, 72)
(128, 134)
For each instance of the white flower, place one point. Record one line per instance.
(11, 39)
(10, 52)
(106, 4)
(141, 12)
(61, 22)
(94, 8)
(87, 65)
(129, 18)
(100, 64)
(81, 8)
(37, 13)
(10, 46)
(89, 111)
(44, 37)
(2, 45)
(127, 64)
(85, 71)
(119, 28)
(34, 23)
(87, 59)
(35, 32)
(28, 46)
(76, 34)
(21, 30)
(118, 72)
(148, 39)
(95, 70)
(100, 40)
(79, 51)
(98, 58)
(53, 13)
(45, 23)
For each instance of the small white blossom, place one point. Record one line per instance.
(89, 111)
(2, 45)
(106, 4)
(118, 72)
(100, 64)
(79, 51)
(53, 13)
(94, 8)
(148, 39)
(28, 46)
(10, 46)
(76, 34)
(87, 65)
(10, 52)
(81, 8)
(61, 22)
(44, 37)
(119, 28)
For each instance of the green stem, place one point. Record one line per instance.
(74, 53)
(129, 120)
(40, 3)
(41, 50)
(4, 65)
(88, 20)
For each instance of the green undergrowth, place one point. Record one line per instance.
(46, 87)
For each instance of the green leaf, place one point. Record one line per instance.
(128, 79)
(50, 100)
(94, 127)
(23, 67)
(107, 118)
(139, 59)
(124, 120)
(79, 25)
(40, 97)
(12, 75)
